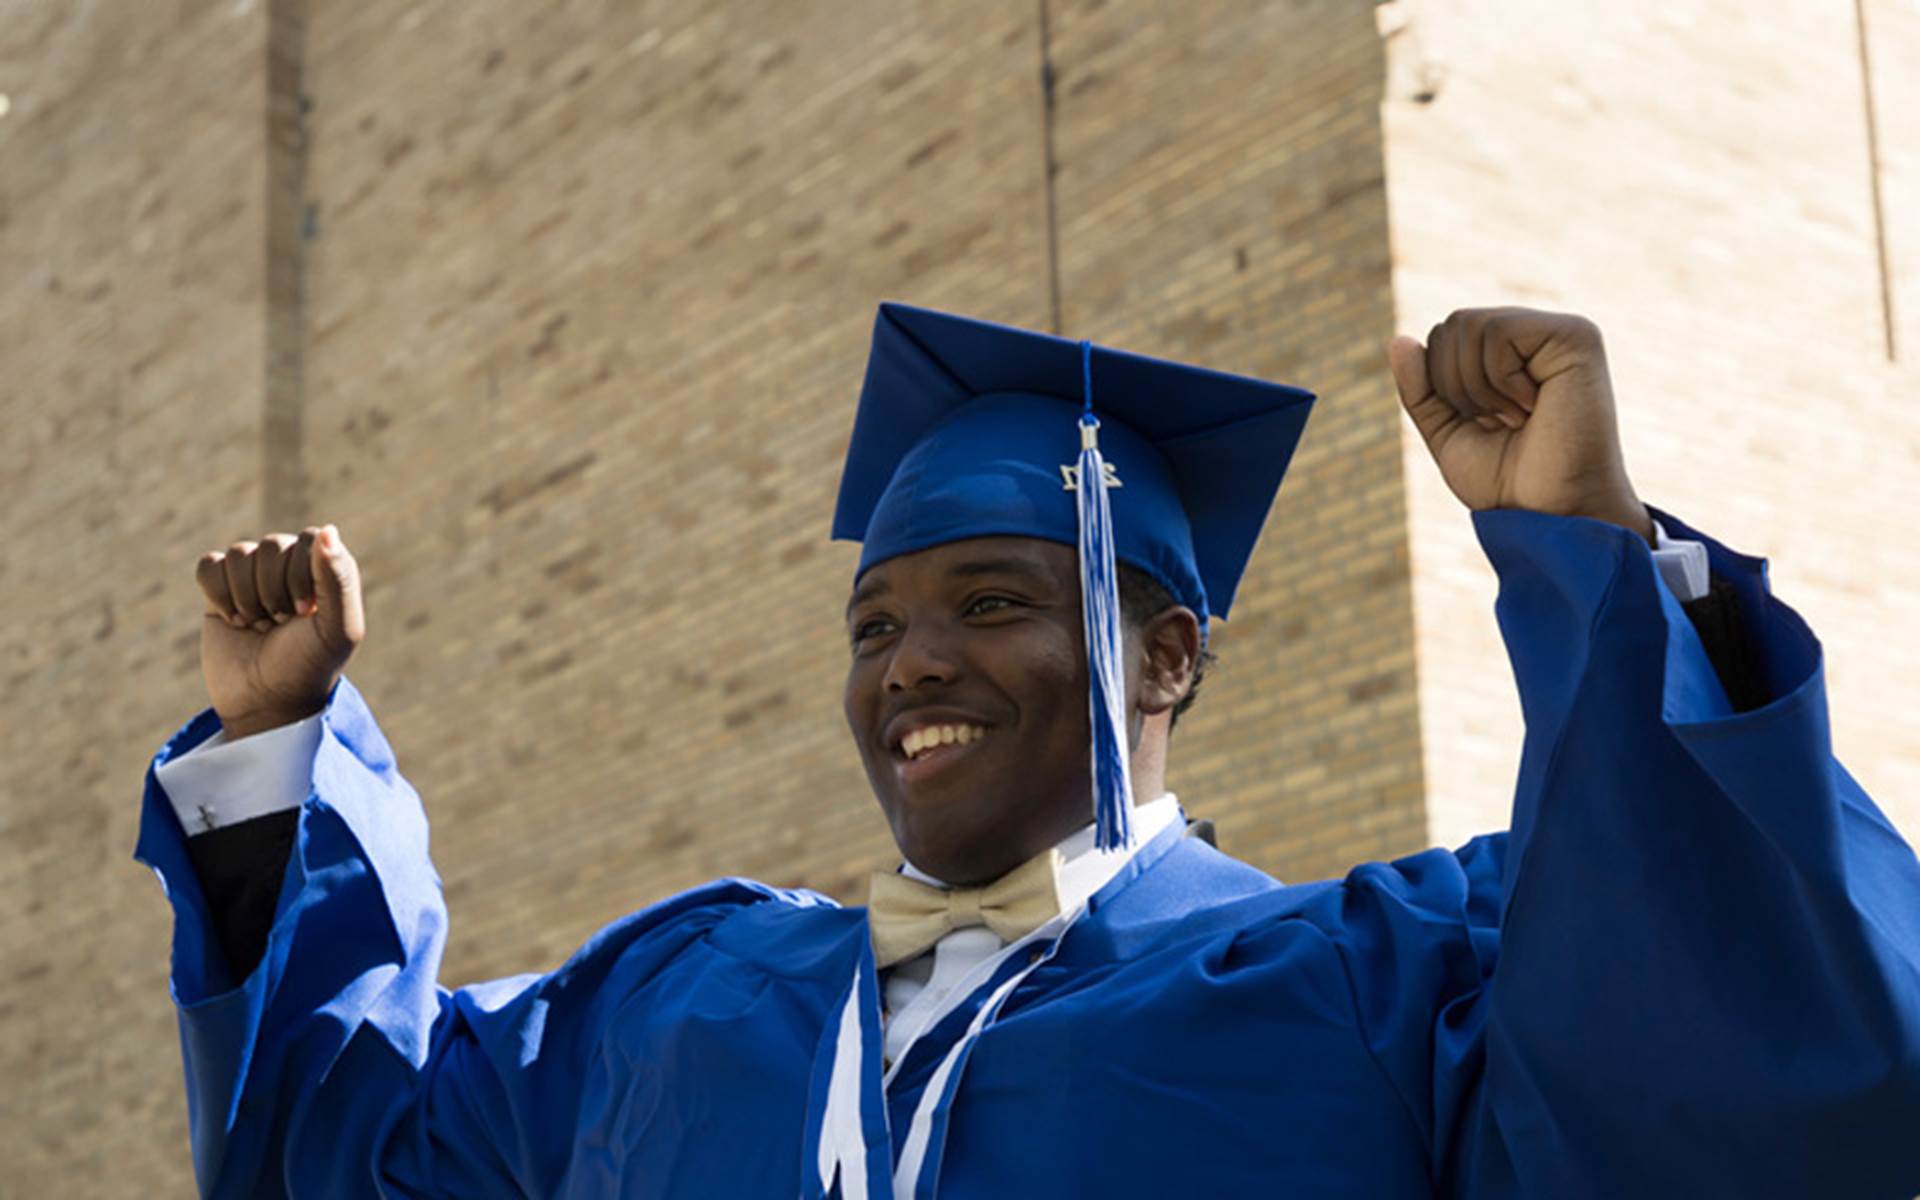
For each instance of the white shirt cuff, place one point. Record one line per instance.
(1681, 563)
(220, 782)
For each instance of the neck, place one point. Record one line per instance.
(1076, 848)
(1147, 763)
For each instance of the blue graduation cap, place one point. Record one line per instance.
(970, 429)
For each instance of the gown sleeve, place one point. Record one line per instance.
(336, 1065)
(1692, 968)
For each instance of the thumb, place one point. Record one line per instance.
(1407, 359)
(1432, 416)
(339, 614)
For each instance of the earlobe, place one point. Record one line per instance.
(1170, 643)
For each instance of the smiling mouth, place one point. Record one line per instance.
(932, 749)
(934, 738)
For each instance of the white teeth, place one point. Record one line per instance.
(921, 740)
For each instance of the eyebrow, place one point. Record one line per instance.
(998, 566)
(873, 589)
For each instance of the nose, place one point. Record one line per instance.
(921, 658)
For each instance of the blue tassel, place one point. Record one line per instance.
(1100, 613)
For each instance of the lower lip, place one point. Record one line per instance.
(930, 763)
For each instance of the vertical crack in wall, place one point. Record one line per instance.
(1052, 169)
(283, 463)
(1873, 179)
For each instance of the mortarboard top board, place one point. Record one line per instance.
(969, 429)
(956, 436)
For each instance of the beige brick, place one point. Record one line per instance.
(1696, 179)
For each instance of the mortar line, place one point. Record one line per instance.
(1051, 168)
(1873, 179)
(289, 226)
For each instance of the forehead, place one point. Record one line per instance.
(1039, 558)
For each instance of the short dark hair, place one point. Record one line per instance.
(1141, 599)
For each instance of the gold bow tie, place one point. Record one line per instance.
(907, 917)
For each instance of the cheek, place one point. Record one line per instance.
(857, 701)
(1054, 683)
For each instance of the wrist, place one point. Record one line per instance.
(1626, 512)
(246, 725)
(1639, 522)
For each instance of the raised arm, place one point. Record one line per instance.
(323, 1058)
(283, 614)
(1708, 966)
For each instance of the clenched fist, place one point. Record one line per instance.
(283, 616)
(1517, 409)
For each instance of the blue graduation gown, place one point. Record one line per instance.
(1692, 968)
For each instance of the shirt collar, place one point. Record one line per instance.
(1084, 870)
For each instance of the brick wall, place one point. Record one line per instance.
(559, 312)
(131, 323)
(1698, 180)
(1222, 202)
(586, 320)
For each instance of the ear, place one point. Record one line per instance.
(1170, 653)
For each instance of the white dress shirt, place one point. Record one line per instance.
(223, 782)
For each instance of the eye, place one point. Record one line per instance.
(871, 627)
(984, 605)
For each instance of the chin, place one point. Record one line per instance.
(973, 867)
(972, 826)
(967, 852)
(957, 852)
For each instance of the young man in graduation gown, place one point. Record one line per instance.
(1691, 968)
